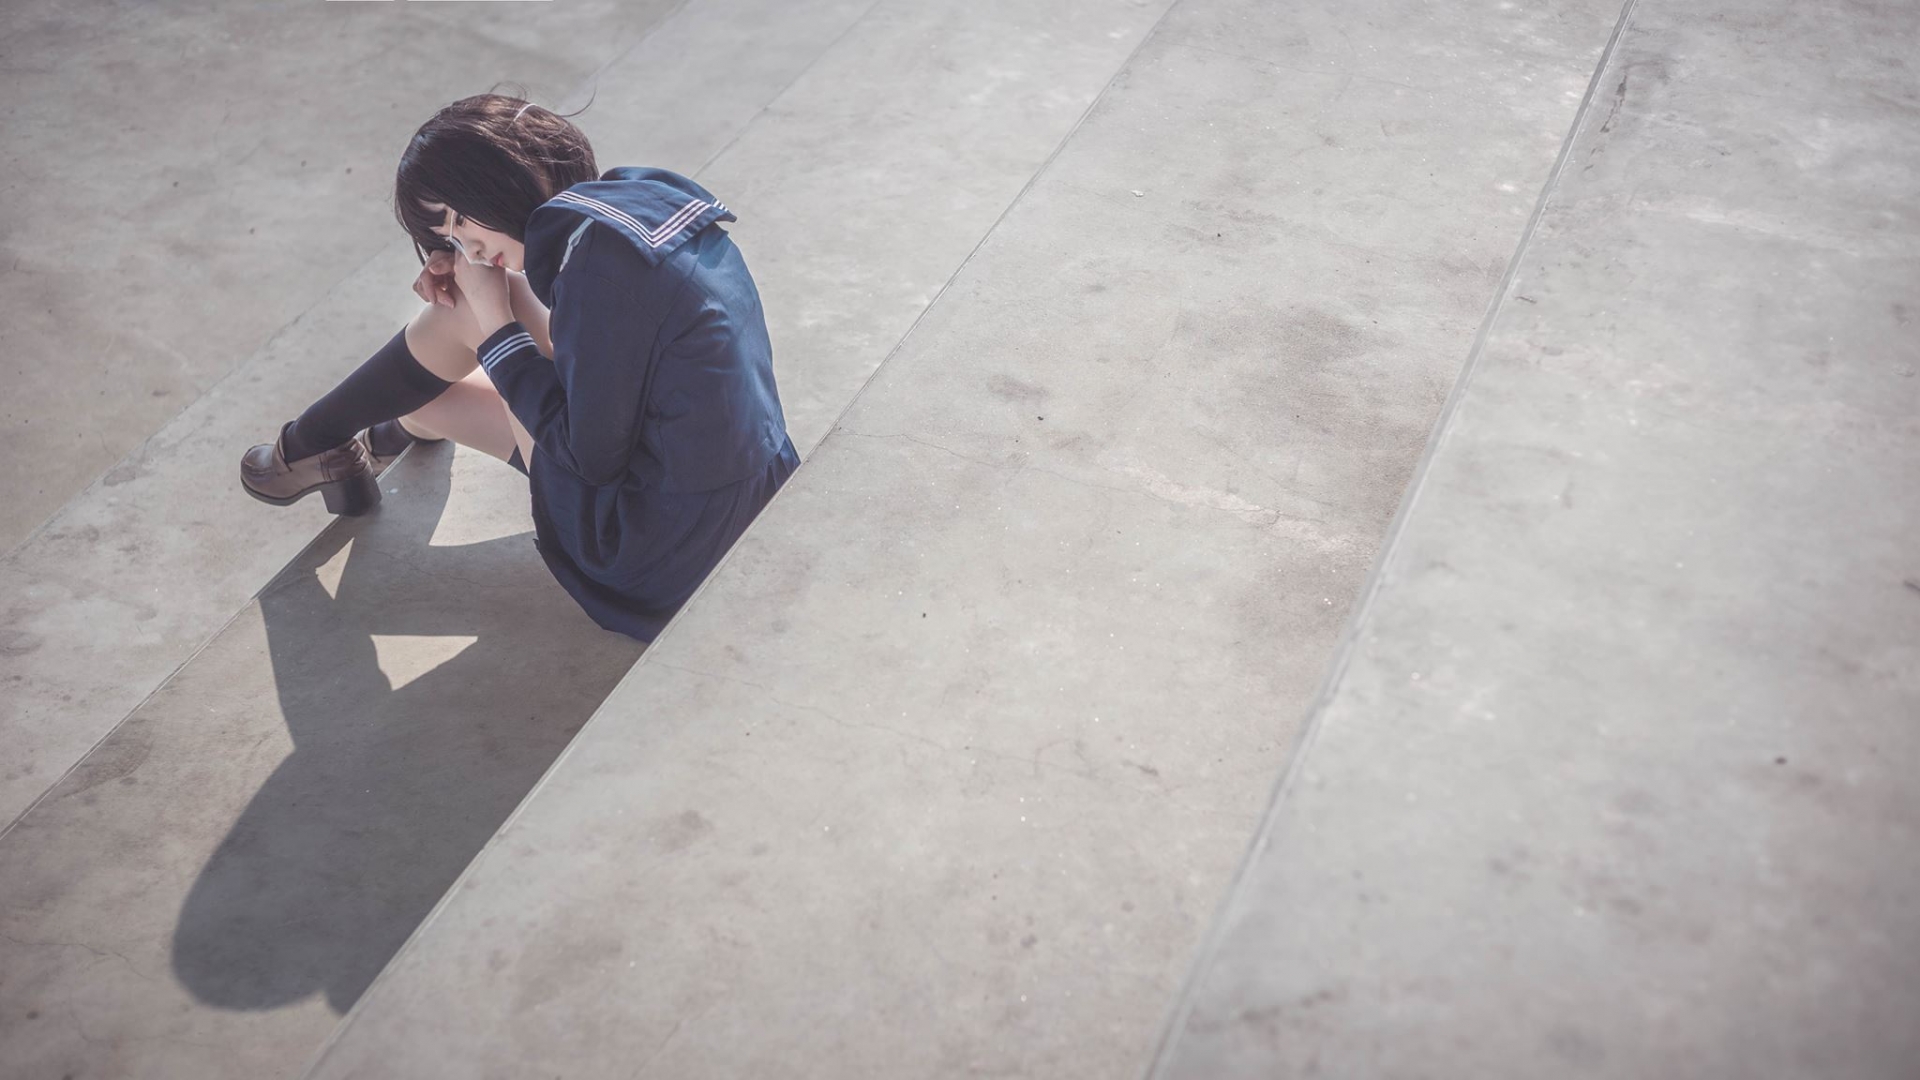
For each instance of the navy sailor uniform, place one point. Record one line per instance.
(657, 425)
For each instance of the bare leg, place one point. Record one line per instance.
(471, 412)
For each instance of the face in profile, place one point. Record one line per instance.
(480, 244)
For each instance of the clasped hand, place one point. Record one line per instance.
(479, 293)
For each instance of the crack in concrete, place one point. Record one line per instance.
(659, 1048)
(1619, 99)
(94, 949)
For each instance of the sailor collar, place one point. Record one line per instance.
(654, 210)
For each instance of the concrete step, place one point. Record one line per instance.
(206, 888)
(945, 767)
(162, 319)
(1614, 775)
(183, 184)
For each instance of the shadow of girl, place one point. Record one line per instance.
(426, 689)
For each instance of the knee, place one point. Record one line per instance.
(432, 325)
(435, 339)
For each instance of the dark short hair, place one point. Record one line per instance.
(491, 167)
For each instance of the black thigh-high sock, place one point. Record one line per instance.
(390, 384)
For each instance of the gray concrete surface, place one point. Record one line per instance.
(183, 182)
(945, 768)
(862, 212)
(1617, 777)
(161, 330)
(225, 873)
(208, 887)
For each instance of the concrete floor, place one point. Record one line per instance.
(946, 768)
(182, 184)
(166, 314)
(224, 874)
(1617, 775)
(949, 768)
(132, 588)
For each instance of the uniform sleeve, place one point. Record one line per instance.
(581, 408)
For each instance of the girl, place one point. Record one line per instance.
(642, 410)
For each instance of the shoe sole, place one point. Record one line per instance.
(350, 497)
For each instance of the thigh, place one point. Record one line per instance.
(472, 413)
(516, 432)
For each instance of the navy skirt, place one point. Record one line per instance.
(685, 537)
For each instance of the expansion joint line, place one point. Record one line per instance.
(1210, 943)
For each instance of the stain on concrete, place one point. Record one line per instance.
(120, 756)
(17, 642)
(1575, 1047)
(1007, 388)
(124, 473)
(681, 831)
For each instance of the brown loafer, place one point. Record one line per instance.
(343, 475)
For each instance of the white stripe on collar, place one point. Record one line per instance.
(572, 240)
(651, 237)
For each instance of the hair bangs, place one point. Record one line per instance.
(494, 159)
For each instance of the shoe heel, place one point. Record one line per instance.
(353, 496)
